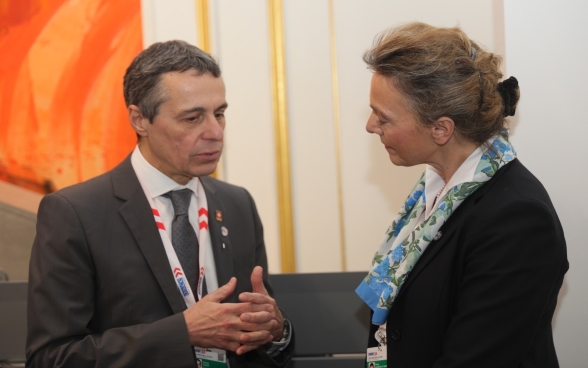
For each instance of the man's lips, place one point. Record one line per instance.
(209, 155)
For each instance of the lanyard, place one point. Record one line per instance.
(203, 239)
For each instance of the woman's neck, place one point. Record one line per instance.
(451, 156)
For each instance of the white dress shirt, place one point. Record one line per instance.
(158, 184)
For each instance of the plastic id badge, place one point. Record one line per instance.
(376, 358)
(210, 358)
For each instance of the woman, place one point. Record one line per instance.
(469, 271)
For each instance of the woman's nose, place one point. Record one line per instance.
(372, 125)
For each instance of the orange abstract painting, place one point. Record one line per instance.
(62, 113)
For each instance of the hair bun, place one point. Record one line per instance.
(508, 90)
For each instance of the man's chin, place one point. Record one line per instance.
(205, 170)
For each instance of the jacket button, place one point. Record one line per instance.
(395, 334)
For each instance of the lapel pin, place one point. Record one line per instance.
(219, 215)
(224, 246)
(224, 231)
(438, 236)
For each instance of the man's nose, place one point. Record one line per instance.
(214, 129)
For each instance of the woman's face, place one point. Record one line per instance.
(407, 142)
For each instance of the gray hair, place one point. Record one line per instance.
(141, 80)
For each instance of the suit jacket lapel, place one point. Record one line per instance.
(447, 232)
(221, 245)
(448, 229)
(138, 216)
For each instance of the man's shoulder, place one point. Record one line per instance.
(94, 184)
(95, 189)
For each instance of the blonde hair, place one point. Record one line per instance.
(441, 72)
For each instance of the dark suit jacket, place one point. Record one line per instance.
(483, 295)
(101, 291)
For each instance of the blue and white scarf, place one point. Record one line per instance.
(390, 267)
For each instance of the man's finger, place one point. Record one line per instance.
(222, 292)
(252, 346)
(255, 337)
(256, 298)
(247, 348)
(262, 326)
(259, 317)
(257, 281)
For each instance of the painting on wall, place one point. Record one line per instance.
(62, 114)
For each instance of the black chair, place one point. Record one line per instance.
(13, 323)
(331, 323)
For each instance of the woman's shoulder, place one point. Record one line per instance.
(515, 183)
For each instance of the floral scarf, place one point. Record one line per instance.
(390, 267)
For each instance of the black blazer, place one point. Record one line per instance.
(101, 291)
(483, 295)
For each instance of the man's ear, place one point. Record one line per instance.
(442, 130)
(137, 120)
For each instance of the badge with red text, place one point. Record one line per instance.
(210, 358)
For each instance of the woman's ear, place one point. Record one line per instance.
(137, 120)
(442, 130)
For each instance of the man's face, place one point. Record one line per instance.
(185, 138)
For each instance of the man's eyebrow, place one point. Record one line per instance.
(199, 109)
(222, 107)
(190, 111)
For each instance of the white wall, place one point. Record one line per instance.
(242, 47)
(168, 20)
(312, 134)
(372, 188)
(546, 50)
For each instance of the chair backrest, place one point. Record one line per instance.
(13, 321)
(328, 317)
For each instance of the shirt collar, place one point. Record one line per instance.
(434, 183)
(156, 182)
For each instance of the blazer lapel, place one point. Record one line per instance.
(138, 215)
(447, 232)
(448, 229)
(221, 244)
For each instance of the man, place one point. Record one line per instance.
(121, 264)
